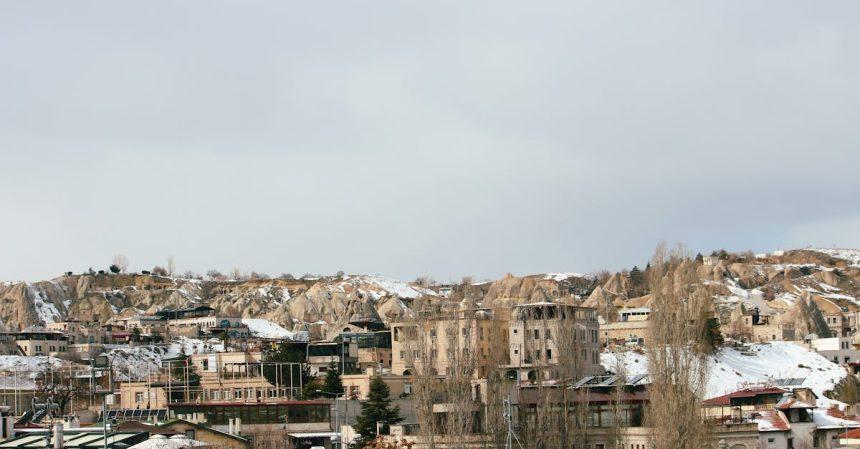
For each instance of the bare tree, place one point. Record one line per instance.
(121, 261)
(556, 416)
(60, 385)
(620, 415)
(236, 274)
(418, 338)
(677, 351)
(460, 332)
(424, 281)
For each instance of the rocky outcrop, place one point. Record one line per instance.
(512, 290)
(774, 282)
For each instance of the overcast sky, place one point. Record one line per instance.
(401, 138)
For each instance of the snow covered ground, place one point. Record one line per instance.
(386, 286)
(11, 363)
(558, 277)
(267, 329)
(137, 361)
(851, 255)
(731, 370)
(46, 310)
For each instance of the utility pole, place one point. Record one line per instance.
(508, 419)
(104, 422)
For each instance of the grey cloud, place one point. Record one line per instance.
(406, 138)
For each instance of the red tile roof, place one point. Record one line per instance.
(851, 434)
(745, 393)
(771, 421)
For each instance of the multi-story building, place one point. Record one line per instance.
(373, 349)
(839, 350)
(784, 418)
(557, 340)
(36, 340)
(437, 341)
(343, 355)
(839, 314)
(190, 322)
(221, 376)
(73, 330)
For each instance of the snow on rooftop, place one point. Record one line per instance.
(832, 419)
(731, 369)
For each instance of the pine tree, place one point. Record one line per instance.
(333, 383)
(377, 408)
(637, 282)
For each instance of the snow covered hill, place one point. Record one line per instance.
(732, 370)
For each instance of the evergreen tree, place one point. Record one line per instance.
(182, 370)
(377, 408)
(333, 383)
(637, 282)
(311, 389)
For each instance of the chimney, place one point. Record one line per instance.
(58, 436)
(8, 427)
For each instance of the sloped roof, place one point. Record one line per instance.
(789, 401)
(833, 418)
(771, 421)
(745, 393)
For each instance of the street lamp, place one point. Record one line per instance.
(337, 439)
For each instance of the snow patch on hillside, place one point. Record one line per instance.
(137, 362)
(12, 363)
(45, 309)
(266, 329)
(851, 255)
(558, 277)
(378, 287)
(732, 369)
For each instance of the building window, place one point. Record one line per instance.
(138, 397)
(537, 334)
(548, 334)
(549, 354)
(189, 433)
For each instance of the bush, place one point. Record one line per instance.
(114, 269)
